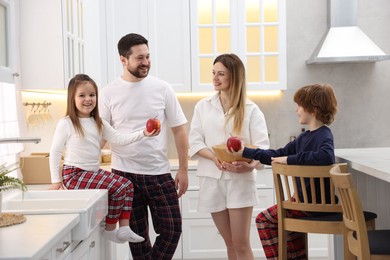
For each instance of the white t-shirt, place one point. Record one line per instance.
(83, 152)
(127, 106)
(208, 129)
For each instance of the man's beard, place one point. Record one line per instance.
(136, 72)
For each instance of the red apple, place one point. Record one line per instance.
(153, 124)
(234, 143)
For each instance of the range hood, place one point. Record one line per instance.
(344, 41)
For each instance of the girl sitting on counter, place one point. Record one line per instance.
(80, 134)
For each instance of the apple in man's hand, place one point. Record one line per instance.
(234, 143)
(153, 124)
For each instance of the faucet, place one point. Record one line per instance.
(20, 140)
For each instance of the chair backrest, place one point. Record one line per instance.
(352, 213)
(305, 188)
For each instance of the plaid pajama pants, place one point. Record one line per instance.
(267, 227)
(157, 192)
(120, 190)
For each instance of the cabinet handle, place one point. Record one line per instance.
(65, 245)
(92, 245)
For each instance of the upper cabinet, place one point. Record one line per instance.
(8, 40)
(54, 41)
(185, 37)
(166, 25)
(60, 38)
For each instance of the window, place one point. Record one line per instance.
(255, 30)
(9, 126)
(74, 37)
(6, 41)
(3, 36)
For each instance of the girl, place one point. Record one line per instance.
(80, 133)
(228, 190)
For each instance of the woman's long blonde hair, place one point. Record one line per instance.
(71, 109)
(237, 89)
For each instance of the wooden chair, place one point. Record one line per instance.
(328, 220)
(373, 244)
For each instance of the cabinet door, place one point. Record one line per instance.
(201, 240)
(89, 249)
(170, 42)
(8, 41)
(41, 44)
(123, 250)
(166, 26)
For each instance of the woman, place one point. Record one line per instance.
(228, 190)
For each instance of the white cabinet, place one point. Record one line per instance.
(89, 248)
(165, 24)
(9, 53)
(201, 239)
(42, 45)
(58, 41)
(123, 250)
(61, 250)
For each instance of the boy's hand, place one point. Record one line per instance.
(281, 160)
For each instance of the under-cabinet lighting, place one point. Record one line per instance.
(62, 93)
(250, 93)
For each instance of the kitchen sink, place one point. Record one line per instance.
(92, 205)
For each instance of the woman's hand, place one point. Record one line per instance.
(239, 166)
(218, 163)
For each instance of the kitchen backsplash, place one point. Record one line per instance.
(42, 122)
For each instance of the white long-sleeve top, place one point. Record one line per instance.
(83, 152)
(208, 129)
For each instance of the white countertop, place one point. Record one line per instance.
(192, 165)
(371, 161)
(33, 238)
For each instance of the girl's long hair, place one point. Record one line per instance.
(71, 109)
(237, 89)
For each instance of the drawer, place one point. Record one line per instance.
(63, 247)
(189, 203)
(193, 181)
(201, 240)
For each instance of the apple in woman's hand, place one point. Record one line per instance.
(234, 144)
(153, 124)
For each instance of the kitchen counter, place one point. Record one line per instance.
(192, 164)
(35, 237)
(372, 161)
(370, 169)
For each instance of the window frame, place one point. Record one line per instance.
(7, 72)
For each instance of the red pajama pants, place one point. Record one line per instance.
(267, 227)
(120, 189)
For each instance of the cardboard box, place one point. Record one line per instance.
(35, 168)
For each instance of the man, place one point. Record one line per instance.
(127, 103)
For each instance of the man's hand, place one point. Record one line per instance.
(181, 182)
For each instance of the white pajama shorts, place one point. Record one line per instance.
(219, 194)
